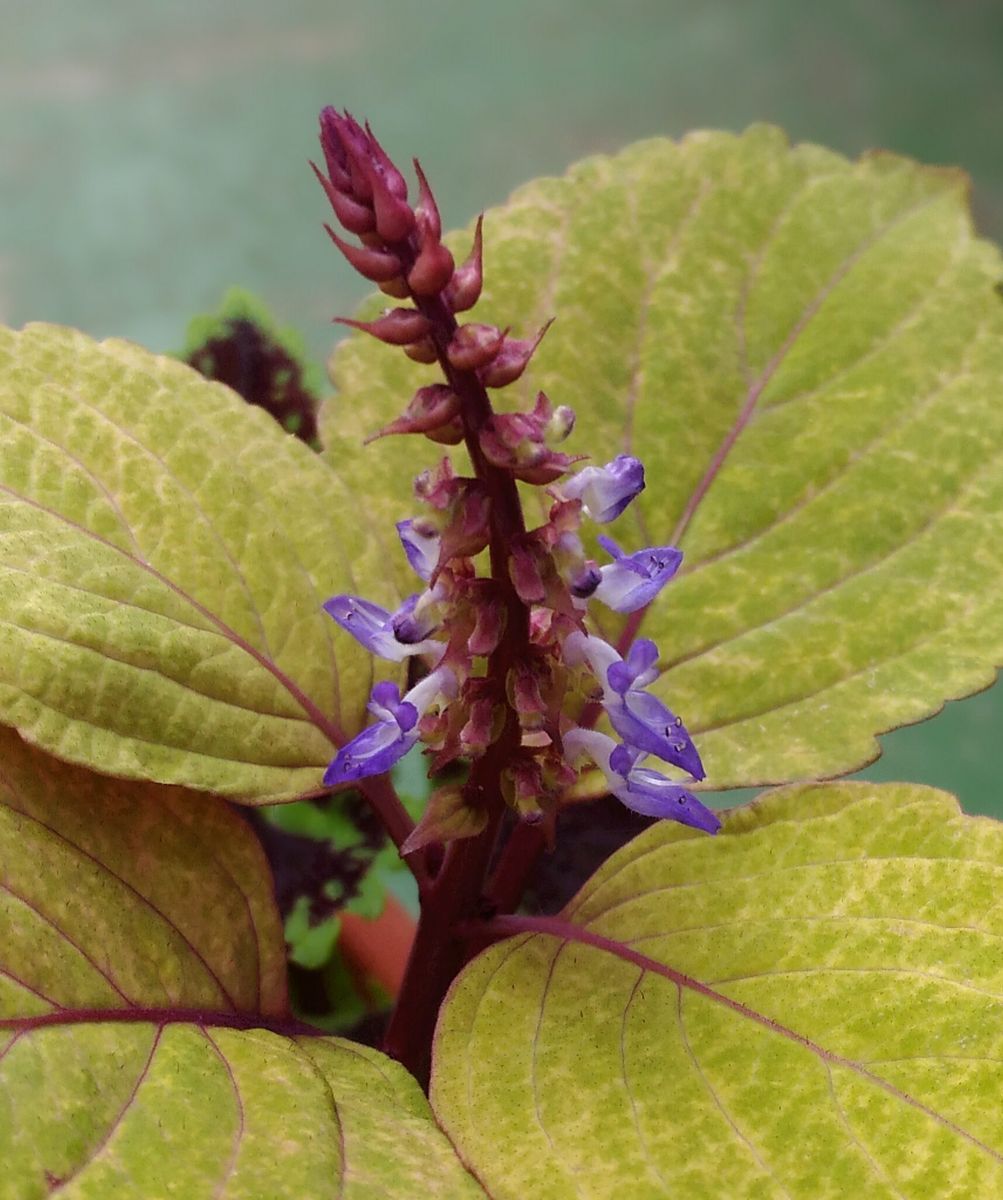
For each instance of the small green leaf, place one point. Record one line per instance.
(807, 353)
(310, 945)
(242, 346)
(139, 945)
(808, 1005)
(165, 553)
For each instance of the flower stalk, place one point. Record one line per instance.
(511, 669)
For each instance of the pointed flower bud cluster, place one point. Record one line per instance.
(511, 668)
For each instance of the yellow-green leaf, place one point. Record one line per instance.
(116, 894)
(139, 948)
(809, 1005)
(807, 353)
(164, 553)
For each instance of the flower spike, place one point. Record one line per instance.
(509, 657)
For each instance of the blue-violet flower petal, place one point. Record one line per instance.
(606, 491)
(422, 549)
(379, 746)
(633, 580)
(375, 627)
(638, 788)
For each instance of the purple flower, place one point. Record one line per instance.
(379, 746)
(422, 549)
(642, 720)
(606, 491)
(392, 635)
(638, 788)
(633, 580)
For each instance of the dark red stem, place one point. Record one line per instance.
(457, 893)
(515, 864)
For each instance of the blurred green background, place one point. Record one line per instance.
(152, 154)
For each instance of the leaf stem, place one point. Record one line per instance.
(287, 1026)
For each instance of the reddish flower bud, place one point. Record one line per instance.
(517, 442)
(394, 218)
(355, 217)
(474, 346)
(430, 408)
(426, 211)
(397, 327)
(448, 435)
(464, 288)
(376, 265)
(395, 287)
(422, 351)
(432, 270)
(511, 360)
(333, 147)
(395, 181)
(346, 149)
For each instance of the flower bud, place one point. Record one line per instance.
(422, 351)
(333, 147)
(426, 212)
(355, 217)
(517, 442)
(346, 152)
(561, 422)
(394, 218)
(474, 346)
(430, 408)
(448, 435)
(511, 360)
(395, 287)
(584, 581)
(420, 539)
(464, 289)
(432, 270)
(376, 265)
(397, 327)
(393, 180)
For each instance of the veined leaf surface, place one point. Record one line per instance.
(808, 1005)
(140, 950)
(164, 553)
(807, 354)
